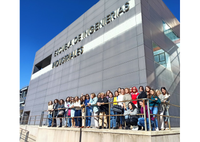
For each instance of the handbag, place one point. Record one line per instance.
(117, 108)
(61, 112)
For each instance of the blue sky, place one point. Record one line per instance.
(42, 20)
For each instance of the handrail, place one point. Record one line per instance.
(143, 99)
(26, 136)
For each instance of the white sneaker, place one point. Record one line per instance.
(157, 129)
(135, 129)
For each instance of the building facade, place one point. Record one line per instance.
(116, 43)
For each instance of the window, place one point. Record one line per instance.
(170, 34)
(42, 64)
(160, 56)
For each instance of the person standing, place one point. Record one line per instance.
(88, 111)
(134, 95)
(103, 110)
(55, 112)
(141, 96)
(77, 106)
(165, 106)
(50, 107)
(127, 99)
(153, 105)
(147, 90)
(71, 106)
(92, 103)
(67, 111)
(112, 118)
(120, 119)
(61, 111)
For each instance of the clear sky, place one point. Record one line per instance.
(42, 20)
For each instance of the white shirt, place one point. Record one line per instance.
(120, 98)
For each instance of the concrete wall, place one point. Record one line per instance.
(153, 12)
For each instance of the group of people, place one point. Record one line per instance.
(123, 109)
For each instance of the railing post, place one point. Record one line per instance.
(109, 116)
(41, 118)
(149, 115)
(35, 120)
(46, 123)
(85, 117)
(30, 120)
(168, 119)
(26, 137)
(53, 119)
(21, 133)
(145, 124)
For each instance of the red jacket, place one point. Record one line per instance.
(134, 95)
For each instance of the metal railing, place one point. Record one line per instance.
(24, 135)
(145, 101)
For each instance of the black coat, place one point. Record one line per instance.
(103, 108)
(55, 107)
(141, 96)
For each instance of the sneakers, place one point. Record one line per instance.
(135, 129)
(157, 129)
(100, 127)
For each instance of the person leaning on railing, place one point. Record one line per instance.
(141, 96)
(50, 107)
(67, 111)
(55, 112)
(61, 111)
(77, 105)
(153, 105)
(72, 112)
(83, 111)
(88, 111)
(103, 110)
(112, 118)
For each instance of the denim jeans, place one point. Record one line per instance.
(88, 113)
(50, 119)
(154, 110)
(69, 122)
(112, 118)
(141, 123)
(78, 120)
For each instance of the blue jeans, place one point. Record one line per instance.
(88, 113)
(69, 123)
(141, 123)
(154, 110)
(78, 120)
(50, 119)
(112, 118)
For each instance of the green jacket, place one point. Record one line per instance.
(93, 103)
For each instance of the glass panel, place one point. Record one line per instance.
(170, 34)
(160, 56)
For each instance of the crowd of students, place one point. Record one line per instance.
(97, 106)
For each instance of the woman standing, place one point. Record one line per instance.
(72, 111)
(82, 99)
(77, 106)
(103, 110)
(147, 90)
(134, 95)
(92, 103)
(67, 111)
(153, 105)
(88, 111)
(141, 96)
(120, 118)
(50, 107)
(160, 110)
(112, 118)
(55, 111)
(165, 106)
(61, 111)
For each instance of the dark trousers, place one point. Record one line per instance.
(122, 117)
(130, 122)
(78, 121)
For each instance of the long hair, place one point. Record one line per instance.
(133, 106)
(87, 95)
(67, 98)
(50, 103)
(72, 100)
(110, 93)
(59, 102)
(117, 93)
(55, 100)
(77, 99)
(142, 88)
(165, 90)
(147, 87)
(93, 94)
(154, 94)
(128, 90)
